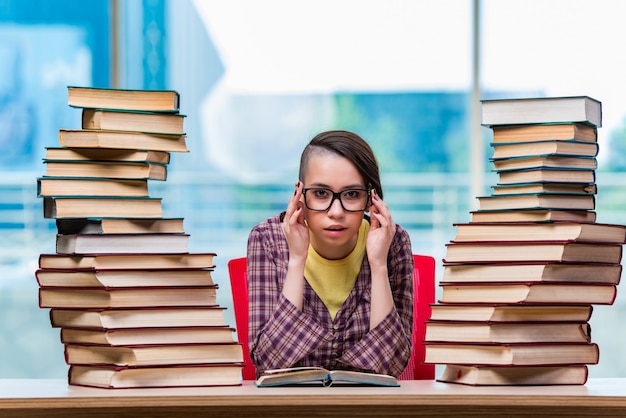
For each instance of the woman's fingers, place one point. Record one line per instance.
(292, 205)
(380, 213)
(295, 228)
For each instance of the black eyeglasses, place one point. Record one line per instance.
(321, 199)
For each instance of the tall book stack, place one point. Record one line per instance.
(135, 308)
(521, 278)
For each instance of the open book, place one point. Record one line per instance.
(320, 375)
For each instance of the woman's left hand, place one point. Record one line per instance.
(382, 231)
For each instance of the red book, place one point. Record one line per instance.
(148, 336)
(102, 319)
(127, 297)
(541, 231)
(537, 293)
(512, 354)
(118, 377)
(546, 272)
(126, 261)
(153, 355)
(507, 332)
(515, 375)
(122, 243)
(548, 251)
(510, 313)
(51, 278)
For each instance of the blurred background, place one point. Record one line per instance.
(259, 78)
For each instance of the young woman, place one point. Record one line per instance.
(329, 285)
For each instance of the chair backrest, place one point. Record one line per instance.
(239, 287)
(424, 288)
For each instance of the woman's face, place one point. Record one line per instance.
(333, 232)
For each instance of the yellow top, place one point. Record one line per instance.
(333, 280)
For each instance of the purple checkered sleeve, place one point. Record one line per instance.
(280, 335)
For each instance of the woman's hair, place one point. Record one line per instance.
(348, 145)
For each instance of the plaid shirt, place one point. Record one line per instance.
(280, 335)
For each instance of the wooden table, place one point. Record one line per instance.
(54, 398)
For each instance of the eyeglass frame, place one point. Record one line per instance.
(337, 196)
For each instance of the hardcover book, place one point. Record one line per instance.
(131, 140)
(124, 278)
(119, 377)
(323, 377)
(544, 161)
(148, 336)
(539, 272)
(127, 261)
(537, 201)
(548, 251)
(538, 354)
(518, 375)
(532, 231)
(118, 120)
(547, 175)
(537, 293)
(510, 313)
(153, 355)
(106, 169)
(119, 225)
(122, 243)
(548, 147)
(545, 187)
(125, 99)
(533, 215)
(91, 187)
(582, 109)
(102, 207)
(547, 131)
(106, 154)
(93, 298)
(514, 332)
(198, 316)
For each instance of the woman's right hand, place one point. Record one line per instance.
(295, 227)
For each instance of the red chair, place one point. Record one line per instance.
(424, 289)
(424, 286)
(239, 288)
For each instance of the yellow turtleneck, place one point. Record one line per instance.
(333, 280)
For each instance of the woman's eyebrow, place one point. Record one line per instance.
(349, 186)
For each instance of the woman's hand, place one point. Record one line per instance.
(295, 227)
(297, 235)
(381, 233)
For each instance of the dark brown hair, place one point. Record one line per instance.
(348, 145)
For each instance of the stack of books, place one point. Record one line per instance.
(135, 308)
(521, 278)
